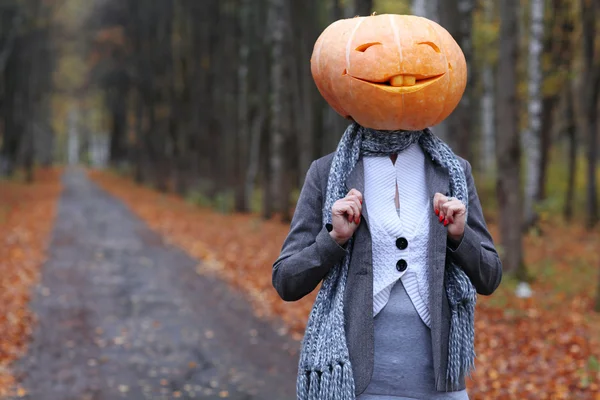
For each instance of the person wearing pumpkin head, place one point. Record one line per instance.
(394, 317)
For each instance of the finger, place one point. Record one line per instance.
(454, 210)
(346, 208)
(355, 210)
(354, 192)
(458, 209)
(356, 200)
(340, 207)
(445, 207)
(452, 206)
(438, 200)
(448, 210)
(354, 207)
(353, 197)
(436, 209)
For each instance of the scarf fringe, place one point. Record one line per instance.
(333, 382)
(461, 352)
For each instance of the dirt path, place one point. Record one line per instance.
(123, 315)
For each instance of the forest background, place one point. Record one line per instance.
(213, 101)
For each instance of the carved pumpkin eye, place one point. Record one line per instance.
(432, 45)
(363, 47)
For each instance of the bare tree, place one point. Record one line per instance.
(26, 64)
(487, 100)
(590, 13)
(241, 203)
(531, 137)
(333, 125)
(558, 48)
(277, 16)
(260, 100)
(508, 151)
(363, 7)
(571, 133)
(590, 92)
(457, 17)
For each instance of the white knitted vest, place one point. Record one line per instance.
(381, 176)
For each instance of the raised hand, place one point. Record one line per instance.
(452, 213)
(345, 216)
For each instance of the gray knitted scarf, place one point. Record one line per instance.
(325, 371)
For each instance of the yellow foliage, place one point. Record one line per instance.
(392, 6)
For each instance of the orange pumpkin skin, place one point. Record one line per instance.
(354, 60)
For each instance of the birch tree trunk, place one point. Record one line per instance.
(73, 136)
(488, 103)
(418, 8)
(508, 151)
(531, 137)
(426, 8)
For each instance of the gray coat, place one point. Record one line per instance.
(309, 252)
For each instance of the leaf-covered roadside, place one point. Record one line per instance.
(547, 347)
(26, 217)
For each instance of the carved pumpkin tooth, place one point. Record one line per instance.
(409, 80)
(397, 80)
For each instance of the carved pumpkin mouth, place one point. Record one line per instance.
(401, 83)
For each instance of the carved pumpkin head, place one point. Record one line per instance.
(389, 72)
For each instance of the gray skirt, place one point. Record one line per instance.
(403, 364)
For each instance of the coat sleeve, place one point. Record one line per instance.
(308, 251)
(476, 253)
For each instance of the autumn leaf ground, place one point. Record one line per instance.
(546, 347)
(26, 218)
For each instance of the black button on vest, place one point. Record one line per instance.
(401, 265)
(401, 243)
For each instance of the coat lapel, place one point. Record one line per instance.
(358, 298)
(437, 182)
